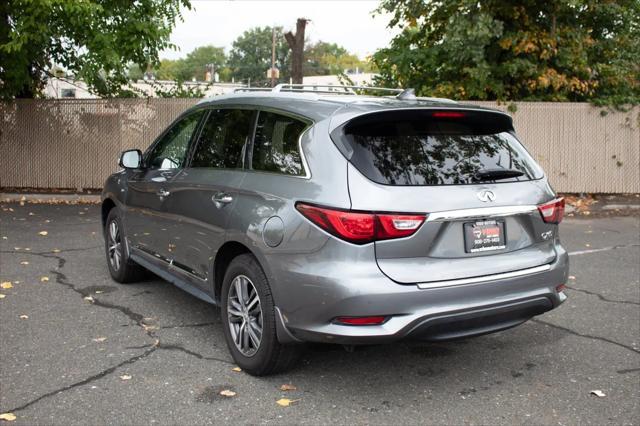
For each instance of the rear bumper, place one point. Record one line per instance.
(313, 298)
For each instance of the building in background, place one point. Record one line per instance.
(61, 88)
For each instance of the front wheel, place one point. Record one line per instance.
(121, 268)
(248, 315)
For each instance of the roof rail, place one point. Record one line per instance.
(330, 88)
(401, 94)
(252, 89)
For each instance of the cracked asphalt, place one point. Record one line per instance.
(63, 364)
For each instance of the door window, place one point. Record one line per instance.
(275, 147)
(171, 150)
(223, 138)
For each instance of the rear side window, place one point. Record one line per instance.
(423, 147)
(223, 139)
(275, 146)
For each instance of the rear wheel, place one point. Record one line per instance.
(248, 315)
(121, 268)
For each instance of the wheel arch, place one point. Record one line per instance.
(107, 205)
(226, 253)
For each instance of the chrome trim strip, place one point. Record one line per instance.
(505, 275)
(479, 213)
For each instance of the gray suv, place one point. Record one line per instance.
(312, 216)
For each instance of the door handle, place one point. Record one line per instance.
(221, 198)
(162, 193)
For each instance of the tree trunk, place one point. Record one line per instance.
(296, 44)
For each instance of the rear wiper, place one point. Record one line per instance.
(496, 174)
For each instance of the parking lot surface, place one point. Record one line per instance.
(78, 348)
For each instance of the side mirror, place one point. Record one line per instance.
(131, 159)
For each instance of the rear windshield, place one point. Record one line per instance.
(427, 148)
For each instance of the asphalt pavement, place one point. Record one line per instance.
(78, 348)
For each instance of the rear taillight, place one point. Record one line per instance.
(362, 227)
(553, 211)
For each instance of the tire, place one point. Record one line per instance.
(124, 270)
(269, 356)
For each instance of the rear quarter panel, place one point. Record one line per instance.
(265, 196)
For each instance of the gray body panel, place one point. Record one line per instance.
(315, 277)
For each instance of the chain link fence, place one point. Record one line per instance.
(75, 144)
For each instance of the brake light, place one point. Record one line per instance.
(375, 320)
(448, 114)
(362, 227)
(553, 211)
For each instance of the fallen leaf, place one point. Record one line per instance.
(288, 387)
(89, 299)
(236, 369)
(6, 284)
(24, 262)
(125, 377)
(44, 279)
(228, 393)
(43, 233)
(99, 339)
(2, 296)
(24, 316)
(598, 393)
(285, 402)
(9, 417)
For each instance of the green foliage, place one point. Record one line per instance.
(250, 56)
(193, 66)
(135, 72)
(525, 50)
(95, 40)
(324, 58)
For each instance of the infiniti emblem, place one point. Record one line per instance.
(485, 195)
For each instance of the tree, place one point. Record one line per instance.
(322, 58)
(296, 44)
(95, 40)
(250, 55)
(549, 50)
(167, 70)
(195, 64)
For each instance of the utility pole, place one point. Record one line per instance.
(296, 44)
(273, 56)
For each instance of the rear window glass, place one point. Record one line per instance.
(420, 149)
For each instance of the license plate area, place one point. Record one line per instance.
(484, 235)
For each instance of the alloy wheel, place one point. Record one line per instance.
(115, 245)
(244, 312)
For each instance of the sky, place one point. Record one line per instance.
(219, 22)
